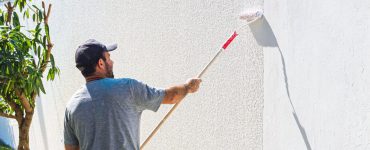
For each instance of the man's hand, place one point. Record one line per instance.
(192, 85)
(175, 94)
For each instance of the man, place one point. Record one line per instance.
(104, 114)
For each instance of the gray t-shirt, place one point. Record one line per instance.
(105, 114)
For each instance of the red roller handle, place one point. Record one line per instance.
(229, 40)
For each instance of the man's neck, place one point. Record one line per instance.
(94, 77)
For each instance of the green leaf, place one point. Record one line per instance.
(34, 47)
(57, 70)
(41, 86)
(20, 4)
(15, 19)
(40, 15)
(37, 33)
(28, 42)
(44, 41)
(52, 60)
(26, 14)
(6, 16)
(34, 6)
(50, 75)
(8, 86)
(30, 70)
(7, 70)
(2, 21)
(38, 51)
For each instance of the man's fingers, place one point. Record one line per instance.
(194, 84)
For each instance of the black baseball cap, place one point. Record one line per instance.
(89, 53)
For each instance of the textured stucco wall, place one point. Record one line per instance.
(163, 43)
(325, 49)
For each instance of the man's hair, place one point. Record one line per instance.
(90, 69)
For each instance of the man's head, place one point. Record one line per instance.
(93, 59)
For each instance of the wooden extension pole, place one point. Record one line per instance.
(178, 103)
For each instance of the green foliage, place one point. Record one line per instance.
(23, 53)
(4, 146)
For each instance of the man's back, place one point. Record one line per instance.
(105, 113)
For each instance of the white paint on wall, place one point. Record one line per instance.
(325, 48)
(163, 43)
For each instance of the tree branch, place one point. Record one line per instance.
(33, 97)
(46, 15)
(18, 112)
(25, 103)
(49, 44)
(10, 9)
(3, 114)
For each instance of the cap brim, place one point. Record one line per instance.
(111, 47)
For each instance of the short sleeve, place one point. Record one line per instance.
(146, 97)
(69, 135)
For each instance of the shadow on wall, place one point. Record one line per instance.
(265, 37)
(40, 113)
(263, 33)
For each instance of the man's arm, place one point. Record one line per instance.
(72, 147)
(176, 93)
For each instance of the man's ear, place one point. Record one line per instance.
(101, 63)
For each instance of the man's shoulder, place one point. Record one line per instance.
(80, 94)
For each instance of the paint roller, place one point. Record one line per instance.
(250, 15)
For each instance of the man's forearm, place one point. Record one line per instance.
(175, 94)
(71, 147)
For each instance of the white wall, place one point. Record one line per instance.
(324, 44)
(163, 43)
